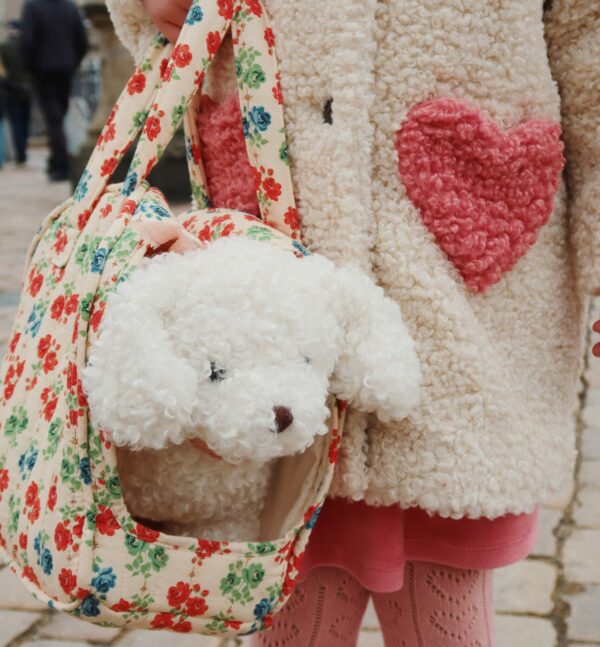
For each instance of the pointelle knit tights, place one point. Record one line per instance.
(439, 606)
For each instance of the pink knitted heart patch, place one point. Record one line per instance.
(483, 193)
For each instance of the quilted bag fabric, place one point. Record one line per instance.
(64, 527)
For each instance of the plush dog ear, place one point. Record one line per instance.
(138, 389)
(378, 369)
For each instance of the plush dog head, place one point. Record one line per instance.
(239, 344)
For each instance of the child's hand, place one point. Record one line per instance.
(596, 347)
(168, 15)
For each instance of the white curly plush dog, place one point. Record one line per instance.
(235, 347)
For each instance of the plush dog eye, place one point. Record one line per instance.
(328, 111)
(217, 374)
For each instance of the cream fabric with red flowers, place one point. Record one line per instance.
(64, 527)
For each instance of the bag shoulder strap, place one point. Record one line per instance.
(158, 97)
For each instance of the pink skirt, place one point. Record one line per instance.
(373, 543)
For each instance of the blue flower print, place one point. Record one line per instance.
(82, 186)
(262, 608)
(260, 118)
(104, 581)
(31, 459)
(99, 260)
(90, 607)
(245, 127)
(310, 524)
(34, 321)
(159, 212)
(195, 15)
(300, 248)
(37, 544)
(129, 184)
(46, 561)
(27, 462)
(84, 468)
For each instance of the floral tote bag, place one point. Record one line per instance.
(64, 527)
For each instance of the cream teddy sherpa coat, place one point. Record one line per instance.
(446, 112)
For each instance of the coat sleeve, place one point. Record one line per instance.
(132, 24)
(573, 33)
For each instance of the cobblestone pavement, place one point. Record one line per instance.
(551, 599)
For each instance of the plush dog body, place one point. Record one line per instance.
(185, 491)
(237, 345)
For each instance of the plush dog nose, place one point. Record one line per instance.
(283, 418)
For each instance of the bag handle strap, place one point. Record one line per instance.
(123, 125)
(182, 77)
(193, 152)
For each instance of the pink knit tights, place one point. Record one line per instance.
(439, 606)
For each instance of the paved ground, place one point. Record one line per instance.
(551, 599)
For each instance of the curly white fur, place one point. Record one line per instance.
(208, 344)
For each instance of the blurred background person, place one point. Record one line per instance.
(54, 42)
(17, 90)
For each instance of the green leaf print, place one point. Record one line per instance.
(86, 252)
(81, 254)
(263, 548)
(15, 424)
(200, 196)
(283, 153)
(147, 558)
(230, 581)
(113, 487)
(256, 139)
(139, 606)
(54, 433)
(178, 112)
(249, 73)
(85, 307)
(139, 119)
(258, 232)
(70, 470)
(122, 247)
(275, 591)
(158, 558)
(134, 545)
(14, 508)
(237, 585)
(253, 575)
(255, 76)
(67, 469)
